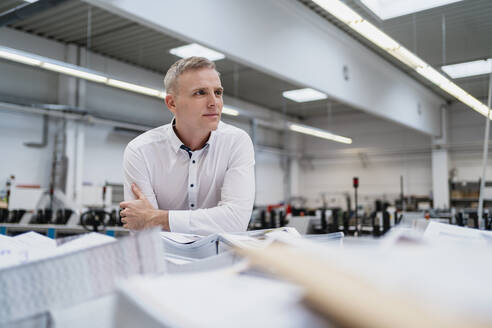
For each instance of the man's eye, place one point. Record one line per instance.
(200, 92)
(219, 92)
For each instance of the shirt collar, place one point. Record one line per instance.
(176, 143)
(173, 138)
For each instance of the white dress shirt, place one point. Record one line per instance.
(206, 191)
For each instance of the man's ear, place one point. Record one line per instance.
(171, 103)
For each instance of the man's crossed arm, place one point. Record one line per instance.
(139, 214)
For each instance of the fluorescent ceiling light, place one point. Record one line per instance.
(455, 90)
(318, 133)
(473, 68)
(407, 57)
(339, 10)
(197, 50)
(82, 73)
(229, 111)
(19, 58)
(432, 75)
(304, 95)
(134, 87)
(74, 72)
(342, 12)
(386, 9)
(375, 35)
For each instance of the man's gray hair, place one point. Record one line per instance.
(183, 65)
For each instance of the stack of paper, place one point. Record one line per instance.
(447, 233)
(198, 247)
(75, 271)
(32, 246)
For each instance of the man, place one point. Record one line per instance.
(196, 174)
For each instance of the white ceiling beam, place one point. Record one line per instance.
(289, 41)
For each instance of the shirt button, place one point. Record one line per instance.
(191, 185)
(192, 205)
(193, 161)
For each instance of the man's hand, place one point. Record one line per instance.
(139, 214)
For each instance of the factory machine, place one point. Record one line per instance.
(47, 211)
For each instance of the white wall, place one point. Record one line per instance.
(467, 135)
(29, 165)
(381, 152)
(270, 179)
(389, 151)
(379, 180)
(103, 155)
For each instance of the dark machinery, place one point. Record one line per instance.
(94, 220)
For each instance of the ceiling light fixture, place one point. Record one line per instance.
(386, 9)
(345, 14)
(19, 58)
(77, 72)
(304, 95)
(85, 74)
(315, 132)
(473, 68)
(230, 111)
(197, 50)
(134, 87)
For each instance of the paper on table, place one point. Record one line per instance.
(12, 252)
(85, 241)
(243, 240)
(182, 238)
(33, 246)
(450, 233)
(34, 239)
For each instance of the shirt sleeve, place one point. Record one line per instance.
(135, 171)
(233, 212)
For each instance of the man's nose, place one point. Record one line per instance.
(212, 101)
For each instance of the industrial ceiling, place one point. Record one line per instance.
(130, 42)
(450, 34)
(125, 40)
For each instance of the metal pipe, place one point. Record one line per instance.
(54, 111)
(484, 160)
(44, 138)
(82, 116)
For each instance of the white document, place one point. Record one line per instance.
(243, 241)
(441, 232)
(182, 238)
(12, 252)
(215, 299)
(35, 239)
(85, 241)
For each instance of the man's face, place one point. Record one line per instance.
(197, 101)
